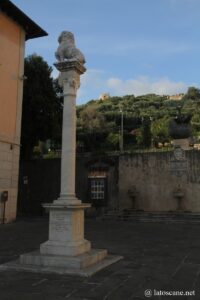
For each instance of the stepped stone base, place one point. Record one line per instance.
(82, 265)
(73, 262)
(63, 248)
(66, 251)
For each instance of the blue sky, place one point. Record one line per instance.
(131, 46)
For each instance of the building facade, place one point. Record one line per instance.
(15, 29)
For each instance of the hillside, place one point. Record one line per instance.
(145, 120)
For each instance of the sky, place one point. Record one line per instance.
(131, 46)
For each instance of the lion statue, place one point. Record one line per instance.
(67, 49)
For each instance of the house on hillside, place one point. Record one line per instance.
(104, 96)
(15, 29)
(176, 97)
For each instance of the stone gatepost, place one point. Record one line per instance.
(66, 251)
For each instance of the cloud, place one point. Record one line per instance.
(95, 82)
(144, 85)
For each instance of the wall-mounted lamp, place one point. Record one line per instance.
(23, 77)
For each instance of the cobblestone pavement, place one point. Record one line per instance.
(157, 256)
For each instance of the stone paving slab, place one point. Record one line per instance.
(164, 257)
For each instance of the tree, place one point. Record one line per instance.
(42, 108)
(145, 138)
(160, 130)
(91, 119)
(193, 93)
(91, 128)
(112, 141)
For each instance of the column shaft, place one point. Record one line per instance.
(68, 144)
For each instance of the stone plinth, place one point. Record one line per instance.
(85, 264)
(63, 261)
(66, 230)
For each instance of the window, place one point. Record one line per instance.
(97, 188)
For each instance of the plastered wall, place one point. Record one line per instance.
(12, 39)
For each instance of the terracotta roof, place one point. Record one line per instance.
(31, 29)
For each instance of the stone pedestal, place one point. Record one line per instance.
(66, 251)
(66, 231)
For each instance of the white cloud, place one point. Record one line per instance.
(144, 85)
(95, 82)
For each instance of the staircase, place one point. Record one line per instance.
(140, 216)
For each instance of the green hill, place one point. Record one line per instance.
(145, 120)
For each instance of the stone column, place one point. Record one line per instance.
(69, 79)
(66, 251)
(66, 227)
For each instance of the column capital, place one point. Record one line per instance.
(70, 64)
(69, 77)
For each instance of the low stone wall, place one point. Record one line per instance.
(9, 165)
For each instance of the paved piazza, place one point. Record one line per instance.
(157, 256)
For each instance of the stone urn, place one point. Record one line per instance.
(132, 193)
(179, 195)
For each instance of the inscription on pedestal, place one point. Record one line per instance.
(59, 225)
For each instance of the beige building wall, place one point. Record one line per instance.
(12, 41)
